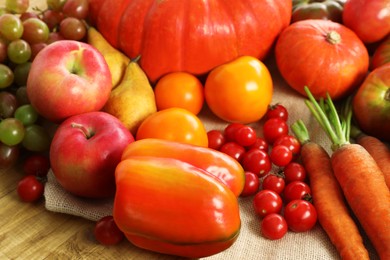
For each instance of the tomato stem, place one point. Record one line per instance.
(333, 37)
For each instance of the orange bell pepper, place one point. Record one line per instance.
(172, 207)
(225, 168)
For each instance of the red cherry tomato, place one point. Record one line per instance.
(260, 143)
(300, 215)
(274, 128)
(281, 155)
(273, 226)
(266, 202)
(230, 131)
(37, 165)
(289, 141)
(233, 149)
(252, 184)
(30, 189)
(256, 161)
(274, 182)
(216, 139)
(294, 172)
(107, 232)
(296, 190)
(277, 111)
(245, 136)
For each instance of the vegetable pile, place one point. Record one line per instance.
(358, 175)
(191, 36)
(155, 68)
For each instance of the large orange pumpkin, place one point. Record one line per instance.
(192, 35)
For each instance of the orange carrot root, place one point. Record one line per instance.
(364, 187)
(379, 151)
(328, 198)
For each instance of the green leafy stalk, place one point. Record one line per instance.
(320, 115)
(336, 127)
(300, 131)
(347, 115)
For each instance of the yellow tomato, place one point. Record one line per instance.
(239, 91)
(174, 124)
(179, 89)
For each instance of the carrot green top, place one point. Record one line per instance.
(336, 127)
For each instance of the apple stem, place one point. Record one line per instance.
(75, 67)
(387, 95)
(87, 133)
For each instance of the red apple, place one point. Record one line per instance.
(68, 78)
(85, 151)
(371, 103)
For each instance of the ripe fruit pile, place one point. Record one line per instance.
(23, 33)
(274, 175)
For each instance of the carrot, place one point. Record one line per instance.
(328, 199)
(360, 178)
(378, 150)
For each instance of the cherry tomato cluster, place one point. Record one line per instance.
(275, 191)
(31, 187)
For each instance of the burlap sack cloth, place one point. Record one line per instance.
(250, 245)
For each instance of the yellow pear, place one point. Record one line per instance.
(116, 60)
(133, 99)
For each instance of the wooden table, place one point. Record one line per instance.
(29, 231)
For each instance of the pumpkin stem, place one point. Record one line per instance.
(333, 37)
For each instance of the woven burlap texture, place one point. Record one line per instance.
(313, 245)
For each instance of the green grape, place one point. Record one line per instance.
(26, 114)
(12, 131)
(36, 139)
(17, 6)
(3, 10)
(19, 51)
(6, 76)
(11, 27)
(21, 73)
(35, 31)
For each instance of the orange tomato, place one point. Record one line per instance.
(174, 124)
(179, 89)
(239, 91)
